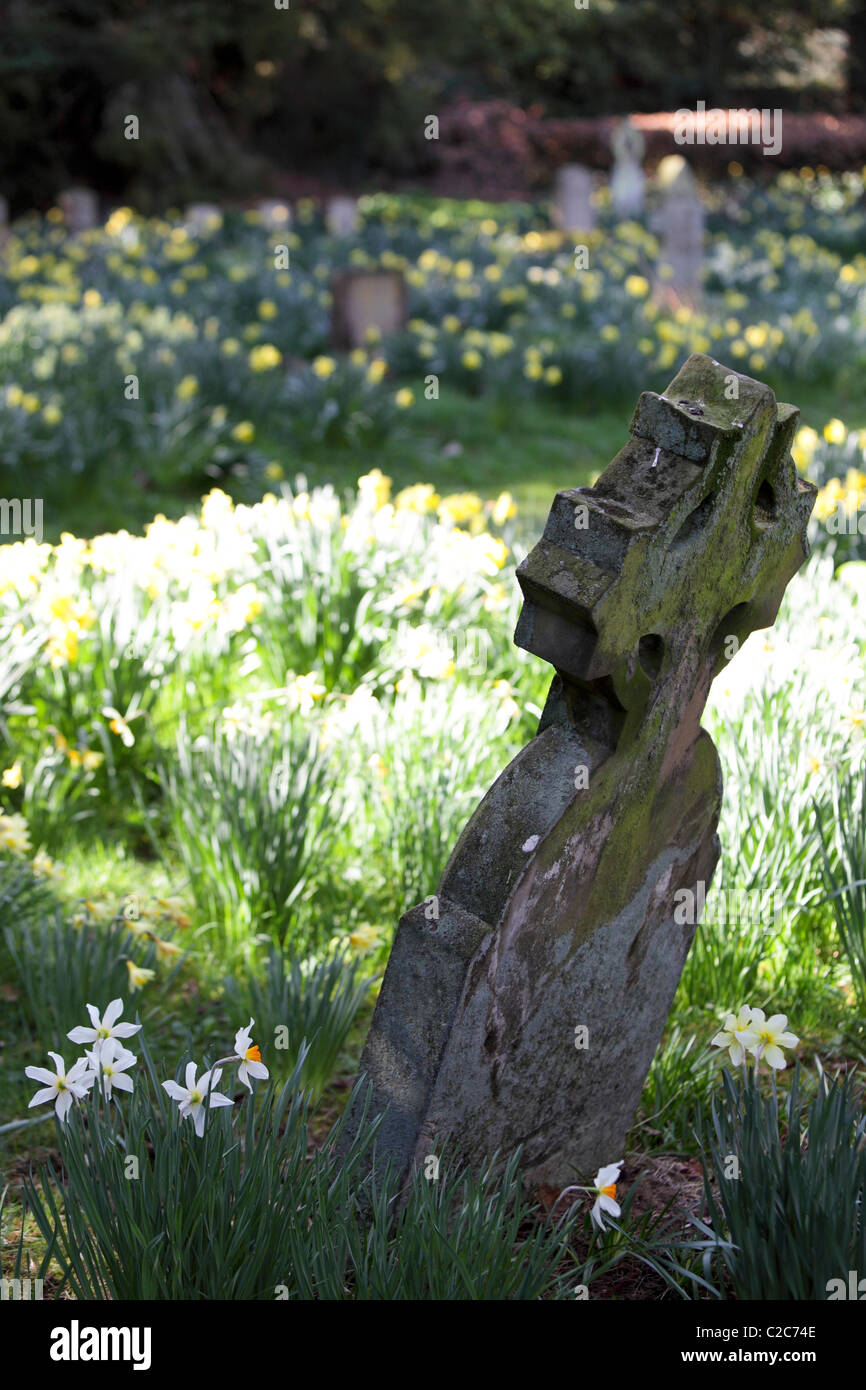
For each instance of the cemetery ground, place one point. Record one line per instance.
(175, 673)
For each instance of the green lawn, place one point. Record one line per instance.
(523, 447)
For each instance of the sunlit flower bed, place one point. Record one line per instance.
(155, 345)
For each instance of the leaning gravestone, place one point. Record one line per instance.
(523, 1002)
(627, 183)
(572, 205)
(342, 216)
(365, 300)
(679, 221)
(80, 208)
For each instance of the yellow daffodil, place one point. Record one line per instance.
(14, 836)
(139, 975)
(119, 724)
(186, 388)
(265, 357)
(166, 950)
(637, 286)
(365, 938)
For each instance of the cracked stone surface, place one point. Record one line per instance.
(556, 908)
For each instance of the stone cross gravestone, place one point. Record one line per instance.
(80, 208)
(362, 300)
(679, 221)
(627, 183)
(342, 216)
(573, 210)
(524, 1000)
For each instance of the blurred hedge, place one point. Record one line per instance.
(226, 89)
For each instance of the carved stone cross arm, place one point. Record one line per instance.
(554, 918)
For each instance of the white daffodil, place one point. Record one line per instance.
(738, 1034)
(103, 1028)
(119, 724)
(110, 1062)
(61, 1086)
(606, 1180)
(250, 1057)
(770, 1038)
(193, 1097)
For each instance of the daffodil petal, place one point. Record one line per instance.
(47, 1093)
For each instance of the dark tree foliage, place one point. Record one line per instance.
(225, 89)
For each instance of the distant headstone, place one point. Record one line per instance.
(627, 183)
(365, 300)
(202, 218)
(273, 213)
(80, 208)
(4, 220)
(573, 210)
(679, 222)
(342, 216)
(524, 1000)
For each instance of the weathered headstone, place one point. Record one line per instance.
(627, 183)
(202, 218)
(679, 222)
(572, 206)
(342, 216)
(80, 208)
(363, 300)
(523, 1002)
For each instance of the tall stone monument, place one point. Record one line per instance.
(627, 182)
(523, 1001)
(342, 216)
(679, 222)
(572, 204)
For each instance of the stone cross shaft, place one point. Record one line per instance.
(555, 917)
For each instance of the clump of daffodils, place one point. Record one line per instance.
(14, 836)
(750, 1033)
(196, 1097)
(106, 1062)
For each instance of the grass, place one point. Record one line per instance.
(528, 448)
